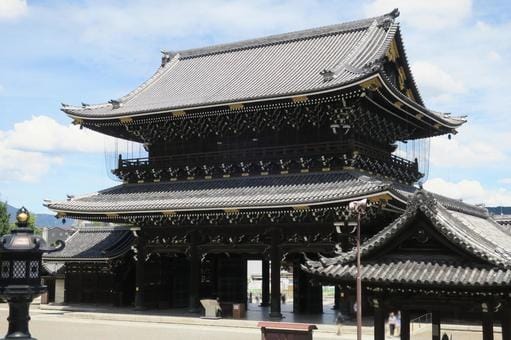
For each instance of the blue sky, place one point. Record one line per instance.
(92, 51)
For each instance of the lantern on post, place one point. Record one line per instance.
(20, 273)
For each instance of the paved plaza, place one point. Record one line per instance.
(61, 325)
(54, 324)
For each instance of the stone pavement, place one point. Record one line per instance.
(52, 324)
(93, 322)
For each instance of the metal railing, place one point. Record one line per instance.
(421, 321)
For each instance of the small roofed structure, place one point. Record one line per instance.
(95, 259)
(449, 261)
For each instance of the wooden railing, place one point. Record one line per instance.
(351, 153)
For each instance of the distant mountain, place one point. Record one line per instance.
(42, 220)
(500, 210)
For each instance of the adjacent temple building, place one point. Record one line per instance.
(255, 150)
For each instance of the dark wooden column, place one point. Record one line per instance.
(405, 325)
(337, 297)
(379, 320)
(140, 271)
(275, 275)
(194, 259)
(265, 298)
(505, 322)
(487, 319)
(435, 325)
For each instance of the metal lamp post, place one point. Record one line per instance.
(20, 273)
(358, 207)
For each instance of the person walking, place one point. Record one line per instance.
(398, 323)
(392, 324)
(339, 319)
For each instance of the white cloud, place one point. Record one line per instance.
(505, 181)
(425, 14)
(464, 154)
(42, 133)
(26, 166)
(470, 191)
(114, 26)
(494, 56)
(12, 9)
(32, 147)
(434, 82)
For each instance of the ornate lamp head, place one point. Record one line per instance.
(22, 217)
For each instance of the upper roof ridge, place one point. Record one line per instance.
(290, 36)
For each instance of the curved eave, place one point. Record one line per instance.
(79, 113)
(503, 283)
(151, 212)
(413, 108)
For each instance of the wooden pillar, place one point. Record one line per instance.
(505, 322)
(307, 296)
(487, 319)
(140, 272)
(194, 259)
(435, 325)
(379, 321)
(275, 275)
(265, 298)
(337, 297)
(405, 325)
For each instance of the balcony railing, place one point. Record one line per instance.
(282, 159)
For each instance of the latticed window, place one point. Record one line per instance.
(34, 269)
(5, 269)
(19, 269)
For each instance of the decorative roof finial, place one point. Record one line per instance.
(394, 13)
(387, 20)
(327, 75)
(115, 103)
(166, 57)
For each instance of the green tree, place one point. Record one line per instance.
(5, 226)
(32, 224)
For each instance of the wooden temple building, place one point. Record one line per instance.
(440, 256)
(255, 150)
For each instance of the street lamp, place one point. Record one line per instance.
(20, 273)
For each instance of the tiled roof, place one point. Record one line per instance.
(266, 67)
(273, 191)
(418, 273)
(475, 234)
(98, 243)
(279, 66)
(480, 236)
(504, 220)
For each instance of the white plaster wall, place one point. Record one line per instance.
(59, 290)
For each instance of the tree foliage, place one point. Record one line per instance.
(5, 226)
